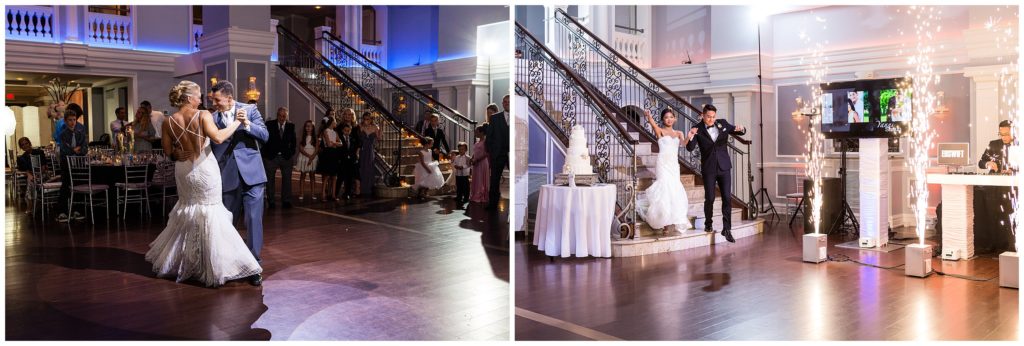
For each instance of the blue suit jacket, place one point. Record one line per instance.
(239, 156)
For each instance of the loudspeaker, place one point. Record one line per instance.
(832, 191)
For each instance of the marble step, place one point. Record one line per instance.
(677, 241)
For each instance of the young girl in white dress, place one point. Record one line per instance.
(427, 172)
(666, 199)
(306, 162)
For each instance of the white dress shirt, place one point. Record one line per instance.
(462, 160)
(713, 131)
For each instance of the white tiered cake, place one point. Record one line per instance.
(577, 156)
(577, 160)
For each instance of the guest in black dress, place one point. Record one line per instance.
(327, 164)
(367, 136)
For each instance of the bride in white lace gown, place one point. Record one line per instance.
(667, 203)
(199, 242)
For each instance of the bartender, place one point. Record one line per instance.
(992, 204)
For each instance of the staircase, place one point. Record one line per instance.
(626, 90)
(613, 151)
(340, 77)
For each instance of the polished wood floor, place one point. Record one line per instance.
(757, 289)
(374, 269)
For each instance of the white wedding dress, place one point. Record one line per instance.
(666, 199)
(200, 242)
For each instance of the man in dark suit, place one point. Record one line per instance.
(497, 148)
(713, 138)
(279, 154)
(434, 131)
(996, 157)
(992, 204)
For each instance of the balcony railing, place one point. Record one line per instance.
(108, 30)
(33, 23)
(372, 52)
(632, 46)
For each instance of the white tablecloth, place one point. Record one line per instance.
(575, 220)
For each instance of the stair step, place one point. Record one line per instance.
(677, 241)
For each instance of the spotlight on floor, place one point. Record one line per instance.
(919, 260)
(814, 247)
(1009, 276)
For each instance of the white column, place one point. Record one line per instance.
(349, 20)
(464, 98)
(874, 197)
(551, 28)
(73, 23)
(985, 116)
(722, 102)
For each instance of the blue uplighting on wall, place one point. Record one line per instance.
(412, 36)
(158, 49)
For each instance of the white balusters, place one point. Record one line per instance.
(632, 47)
(194, 35)
(29, 23)
(372, 52)
(108, 30)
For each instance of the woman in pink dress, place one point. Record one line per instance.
(478, 191)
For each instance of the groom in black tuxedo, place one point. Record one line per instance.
(713, 138)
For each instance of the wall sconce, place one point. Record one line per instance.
(940, 104)
(252, 94)
(213, 81)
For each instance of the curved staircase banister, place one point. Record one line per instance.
(334, 39)
(375, 103)
(583, 86)
(636, 68)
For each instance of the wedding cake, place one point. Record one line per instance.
(577, 157)
(577, 160)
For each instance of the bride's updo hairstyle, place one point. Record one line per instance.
(179, 93)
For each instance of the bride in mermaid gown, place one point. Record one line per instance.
(667, 203)
(199, 242)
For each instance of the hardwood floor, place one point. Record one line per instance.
(374, 269)
(758, 289)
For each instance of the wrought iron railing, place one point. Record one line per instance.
(407, 103)
(335, 89)
(564, 100)
(627, 86)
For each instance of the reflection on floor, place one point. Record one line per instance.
(399, 269)
(758, 289)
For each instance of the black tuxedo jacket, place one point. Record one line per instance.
(277, 144)
(440, 141)
(497, 135)
(714, 154)
(996, 152)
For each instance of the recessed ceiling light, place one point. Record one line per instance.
(19, 78)
(317, 7)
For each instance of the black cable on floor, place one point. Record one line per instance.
(965, 277)
(845, 258)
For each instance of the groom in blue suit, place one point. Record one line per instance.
(241, 165)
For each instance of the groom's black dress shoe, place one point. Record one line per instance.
(728, 236)
(709, 230)
(256, 280)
